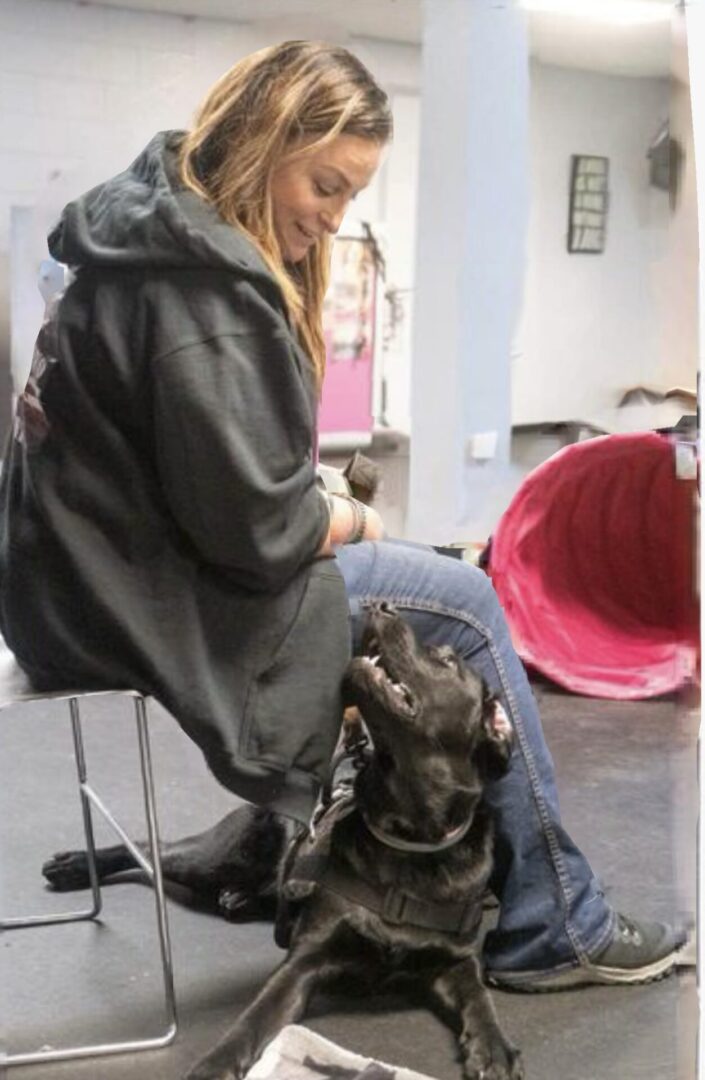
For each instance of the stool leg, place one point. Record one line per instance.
(87, 913)
(85, 805)
(157, 878)
(155, 873)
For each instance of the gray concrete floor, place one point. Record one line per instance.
(627, 778)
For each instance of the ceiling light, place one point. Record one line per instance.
(623, 12)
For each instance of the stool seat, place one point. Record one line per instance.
(14, 684)
(16, 689)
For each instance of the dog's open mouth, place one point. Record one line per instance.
(379, 676)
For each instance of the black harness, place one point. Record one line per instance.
(309, 866)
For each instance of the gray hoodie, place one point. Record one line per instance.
(159, 508)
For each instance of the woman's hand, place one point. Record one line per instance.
(350, 522)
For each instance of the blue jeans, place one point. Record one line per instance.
(552, 911)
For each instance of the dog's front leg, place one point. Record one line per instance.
(68, 870)
(467, 1006)
(282, 1000)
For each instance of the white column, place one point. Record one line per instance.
(470, 258)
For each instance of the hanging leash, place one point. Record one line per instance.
(355, 748)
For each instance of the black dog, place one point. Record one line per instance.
(388, 888)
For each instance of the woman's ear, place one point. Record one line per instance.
(496, 741)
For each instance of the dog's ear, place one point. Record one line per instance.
(495, 746)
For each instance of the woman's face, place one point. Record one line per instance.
(310, 194)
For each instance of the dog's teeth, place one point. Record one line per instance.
(406, 692)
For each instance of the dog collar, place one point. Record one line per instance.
(419, 846)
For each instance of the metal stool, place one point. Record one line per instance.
(15, 690)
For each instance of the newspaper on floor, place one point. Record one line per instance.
(300, 1054)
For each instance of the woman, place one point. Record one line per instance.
(162, 527)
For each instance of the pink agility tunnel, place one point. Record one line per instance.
(594, 565)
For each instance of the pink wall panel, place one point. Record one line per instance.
(349, 328)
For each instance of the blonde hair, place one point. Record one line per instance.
(300, 92)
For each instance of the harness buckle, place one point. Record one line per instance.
(394, 906)
(469, 921)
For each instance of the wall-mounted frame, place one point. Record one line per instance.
(589, 198)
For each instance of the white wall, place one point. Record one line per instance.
(590, 326)
(676, 275)
(82, 88)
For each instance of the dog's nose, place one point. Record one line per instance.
(385, 608)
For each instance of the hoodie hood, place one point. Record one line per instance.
(145, 217)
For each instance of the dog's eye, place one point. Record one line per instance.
(447, 657)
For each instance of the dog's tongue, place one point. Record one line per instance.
(500, 722)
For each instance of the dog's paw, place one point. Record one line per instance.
(67, 870)
(203, 1071)
(236, 906)
(496, 1072)
(498, 1062)
(230, 1060)
(213, 1067)
(233, 905)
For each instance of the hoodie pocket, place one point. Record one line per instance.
(294, 708)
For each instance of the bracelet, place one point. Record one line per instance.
(359, 512)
